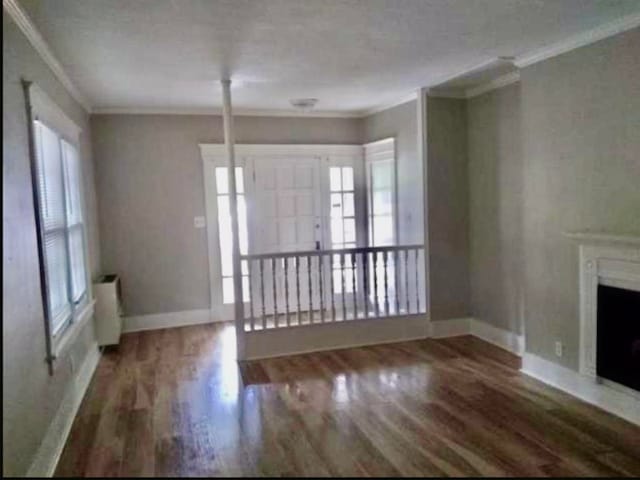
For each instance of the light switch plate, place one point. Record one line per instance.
(198, 222)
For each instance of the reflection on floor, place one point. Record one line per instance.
(175, 402)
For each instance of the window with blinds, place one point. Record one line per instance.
(58, 179)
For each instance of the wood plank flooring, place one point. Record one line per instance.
(175, 403)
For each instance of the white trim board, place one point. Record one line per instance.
(217, 150)
(499, 337)
(155, 321)
(613, 401)
(48, 454)
(452, 327)
(237, 112)
(37, 41)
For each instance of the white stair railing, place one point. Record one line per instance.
(292, 289)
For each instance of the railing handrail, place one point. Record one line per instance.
(312, 253)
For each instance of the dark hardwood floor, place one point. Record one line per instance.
(175, 403)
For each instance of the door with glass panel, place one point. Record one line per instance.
(286, 217)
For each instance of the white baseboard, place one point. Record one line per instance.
(48, 454)
(498, 336)
(450, 328)
(153, 321)
(613, 401)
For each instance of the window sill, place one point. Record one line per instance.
(71, 333)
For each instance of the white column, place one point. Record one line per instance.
(229, 141)
(423, 156)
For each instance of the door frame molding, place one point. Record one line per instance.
(213, 155)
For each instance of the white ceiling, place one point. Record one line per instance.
(353, 55)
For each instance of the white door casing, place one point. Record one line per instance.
(296, 177)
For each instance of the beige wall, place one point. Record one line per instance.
(495, 206)
(448, 194)
(400, 122)
(150, 186)
(31, 396)
(581, 146)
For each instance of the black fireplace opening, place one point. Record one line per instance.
(618, 340)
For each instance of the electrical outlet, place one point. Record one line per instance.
(198, 222)
(559, 349)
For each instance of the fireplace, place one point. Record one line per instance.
(609, 284)
(618, 335)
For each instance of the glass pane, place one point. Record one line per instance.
(382, 175)
(347, 178)
(337, 280)
(227, 290)
(336, 231)
(349, 230)
(383, 231)
(348, 207)
(336, 205)
(244, 267)
(335, 182)
(224, 227)
(382, 203)
(57, 279)
(76, 261)
(72, 183)
(50, 182)
(222, 180)
(245, 289)
(242, 225)
(239, 180)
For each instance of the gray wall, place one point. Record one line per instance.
(400, 122)
(581, 146)
(448, 193)
(31, 397)
(495, 207)
(150, 185)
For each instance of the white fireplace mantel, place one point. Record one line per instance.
(607, 259)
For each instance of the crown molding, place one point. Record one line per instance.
(409, 97)
(580, 40)
(499, 82)
(237, 112)
(26, 26)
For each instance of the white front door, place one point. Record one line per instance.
(286, 216)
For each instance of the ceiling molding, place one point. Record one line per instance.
(237, 112)
(409, 97)
(26, 26)
(211, 151)
(580, 40)
(494, 84)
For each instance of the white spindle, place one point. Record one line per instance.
(262, 302)
(310, 289)
(417, 282)
(286, 289)
(344, 287)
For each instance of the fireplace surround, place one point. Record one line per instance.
(608, 261)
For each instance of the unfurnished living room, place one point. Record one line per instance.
(321, 238)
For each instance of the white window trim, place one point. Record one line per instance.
(42, 108)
